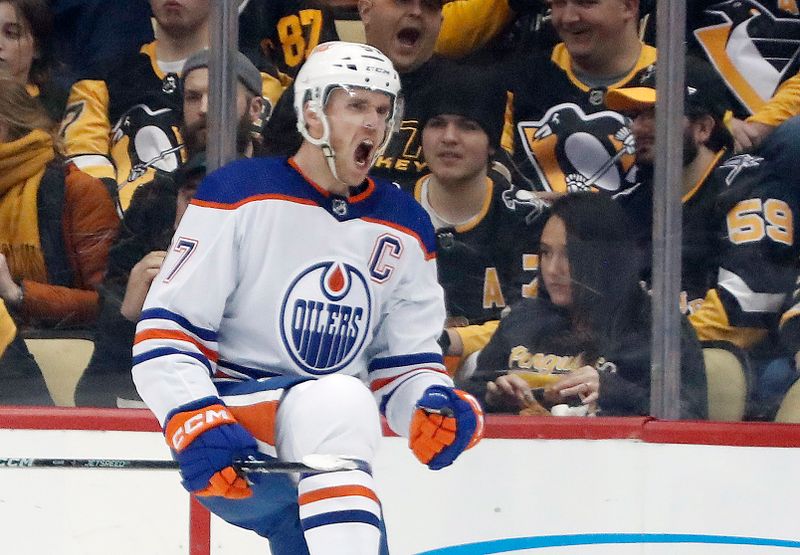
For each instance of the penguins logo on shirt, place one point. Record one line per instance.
(752, 48)
(170, 83)
(325, 317)
(525, 202)
(149, 138)
(737, 164)
(572, 151)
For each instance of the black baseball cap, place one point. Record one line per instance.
(704, 92)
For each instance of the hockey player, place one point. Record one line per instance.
(298, 303)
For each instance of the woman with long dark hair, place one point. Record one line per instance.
(586, 336)
(26, 51)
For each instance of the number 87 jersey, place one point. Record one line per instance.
(758, 258)
(270, 275)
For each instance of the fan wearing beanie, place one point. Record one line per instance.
(487, 230)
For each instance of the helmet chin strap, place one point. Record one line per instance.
(324, 142)
(330, 158)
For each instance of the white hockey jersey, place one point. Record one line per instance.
(269, 274)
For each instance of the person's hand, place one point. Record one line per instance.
(446, 423)
(206, 439)
(747, 135)
(142, 275)
(583, 383)
(10, 292)
(510, 391)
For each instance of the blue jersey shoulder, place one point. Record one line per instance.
(247, 178)
(396, 207)
(254, 178)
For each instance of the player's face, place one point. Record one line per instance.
(357, 120)
(17, 47)
(195, 108)
(591, 29)
(404, 30)
(554, 262)
(180, 17)
(456, 148)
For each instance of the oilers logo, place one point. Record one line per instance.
(325, 317)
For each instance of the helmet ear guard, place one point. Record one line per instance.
(344, 65)
(314, 103)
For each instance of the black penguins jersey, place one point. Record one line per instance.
(124, 124)
(564, 138)
(284, 32)
(753, 44)
(758, 257)
(699, 231)
(490, 261)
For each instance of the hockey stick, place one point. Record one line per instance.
(311, 464)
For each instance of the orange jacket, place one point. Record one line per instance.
(89, 225)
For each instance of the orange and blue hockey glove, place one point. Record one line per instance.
(206, 439)
(446, 423)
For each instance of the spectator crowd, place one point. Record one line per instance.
(527, 135)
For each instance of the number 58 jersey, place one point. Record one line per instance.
(270, 275)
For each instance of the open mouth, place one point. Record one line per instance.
(409, 36)
(363, 153)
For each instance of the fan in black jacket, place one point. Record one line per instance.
(589, 327)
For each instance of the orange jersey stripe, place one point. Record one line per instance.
(254, 198)
(258, 419)
(337, 491)
(178, 336)
(375, 385)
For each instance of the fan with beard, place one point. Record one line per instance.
(195, 136)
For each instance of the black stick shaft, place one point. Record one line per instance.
(138, 464)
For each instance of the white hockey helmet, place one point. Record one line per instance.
(344, 64)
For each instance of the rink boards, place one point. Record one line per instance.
(534, 486)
